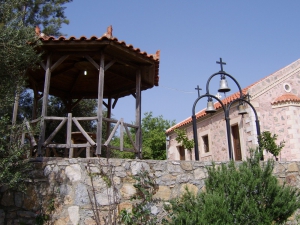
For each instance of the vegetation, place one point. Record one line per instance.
(245, 194)
(141, 212)
(267, 141)
(17, 53)
(183, 139)
(153, 138)
(49, 15)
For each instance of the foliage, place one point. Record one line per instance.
(14, 171)
(47, 14)
(153, 135)
(244, 194)
(267, 142)
(16, 55)
(141, 214)
(153, 138)
(183, 139)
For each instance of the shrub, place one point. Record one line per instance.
(244, 194)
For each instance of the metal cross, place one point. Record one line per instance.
(218, 95)
(221, 63)
(198, 89)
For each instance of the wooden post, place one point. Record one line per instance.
(88, 151)
(69, 135)
(108, 116)
(16, 105)
(100, 99)
(45, 105)
(138, 137)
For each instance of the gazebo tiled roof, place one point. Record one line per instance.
(122, 61)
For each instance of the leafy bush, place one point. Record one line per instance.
(141, 213)
(244, 194)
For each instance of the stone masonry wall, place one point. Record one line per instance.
(63, 189)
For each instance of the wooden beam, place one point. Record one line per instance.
(100, 100)
(55, 132)
(92, 61)
(138, 115)
(115, 102)
(45, 104)
(112, 133)
(108, 116)
(88, 138)
(16, 106)
(69, 135)
(74, 83)
(43, 65)
(110, 64)
(104, 103)
(76, 103)
(58, 62)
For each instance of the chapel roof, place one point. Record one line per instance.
(202, 113)
(288, 97)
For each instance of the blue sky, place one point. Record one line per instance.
(255, 38)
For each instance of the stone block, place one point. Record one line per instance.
(125, 206)
(199, 174)
(127, 190)
(163, 192)
(73, 172)
(74, 214)
(137, 166)
(192, 188)
(292, 167)
(186, 165)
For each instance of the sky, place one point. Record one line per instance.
(255, 38)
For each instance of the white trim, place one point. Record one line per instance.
(285, 104)
(276, 82)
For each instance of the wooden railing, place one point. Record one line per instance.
(87, 135)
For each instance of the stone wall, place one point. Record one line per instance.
(63, 188)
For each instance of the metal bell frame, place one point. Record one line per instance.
(226, 109)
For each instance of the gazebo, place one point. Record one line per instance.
(101, 68)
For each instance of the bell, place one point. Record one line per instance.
(223, 85)
(241, 109)
(210, 107)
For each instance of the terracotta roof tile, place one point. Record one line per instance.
(286, 98)
(217, 105)
(106, 36)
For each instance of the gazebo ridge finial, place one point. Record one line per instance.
(108, 33)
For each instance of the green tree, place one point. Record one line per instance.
(244, 194)
(153, 135)
(183, 139)
(48, 14)
(267, 141)
(17, 53)
(153, 138)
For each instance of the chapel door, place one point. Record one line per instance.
(236, 143)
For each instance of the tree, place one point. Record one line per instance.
(49, 14)
(153, 138)
(267, 141)
(244, 194)
(17, 53)
(183, 139)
